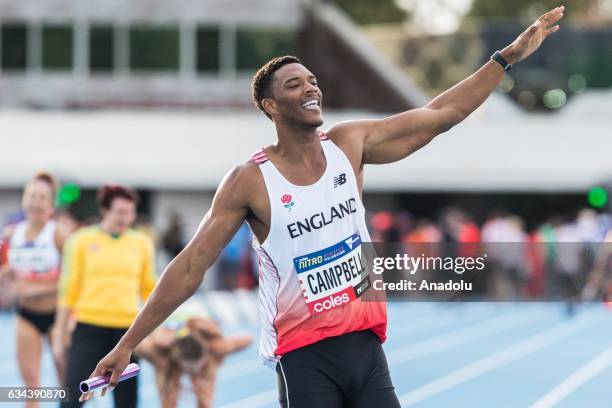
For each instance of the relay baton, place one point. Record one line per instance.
(94, 383)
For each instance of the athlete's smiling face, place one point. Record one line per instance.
(296, 96)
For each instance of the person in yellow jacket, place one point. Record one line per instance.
(108, 273)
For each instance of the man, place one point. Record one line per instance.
(301, 198)
(189, 344)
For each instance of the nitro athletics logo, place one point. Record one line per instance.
(287, 201)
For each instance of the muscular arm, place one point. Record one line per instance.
(185, 273)
(394, 138)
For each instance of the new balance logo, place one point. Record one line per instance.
(351, 240)
(339, 180)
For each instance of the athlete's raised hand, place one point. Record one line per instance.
(531, 39)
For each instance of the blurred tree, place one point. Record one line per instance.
(372, 11)
(589, 63)
(528, 9)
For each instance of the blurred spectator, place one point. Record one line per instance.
(143, 224)
(425, 231)
(66, 221)
(233, 263)
(108, 271)
(173, 240)
(29, 269)
(598, 282)
(519, 263)
(383, 229)
(190, 343)
(507, 249)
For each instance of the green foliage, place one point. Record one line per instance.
(372, 11)
(525, 8)
(594, 63)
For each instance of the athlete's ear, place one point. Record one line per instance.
(270, 106)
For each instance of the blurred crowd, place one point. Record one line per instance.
(80, 287)
(532, 263)
(551, 261)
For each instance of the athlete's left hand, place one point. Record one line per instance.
(531, 39)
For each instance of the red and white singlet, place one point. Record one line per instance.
(310, 279)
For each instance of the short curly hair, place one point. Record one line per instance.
(108, 192)
(261, 87)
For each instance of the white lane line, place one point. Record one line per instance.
(437, 319)
(456, 338)
(255, 401)
(498, 359)
(584, 374)
(499, 323)
(412, 328)
(252, 366)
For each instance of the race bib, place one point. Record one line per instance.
(33, 262)
(332, 277)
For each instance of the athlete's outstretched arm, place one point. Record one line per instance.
(185, 273)
(395, 137)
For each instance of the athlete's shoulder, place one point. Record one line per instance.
(350, 130)
(247, 172)
(258, 157)
(240, 185)
(349, 137)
